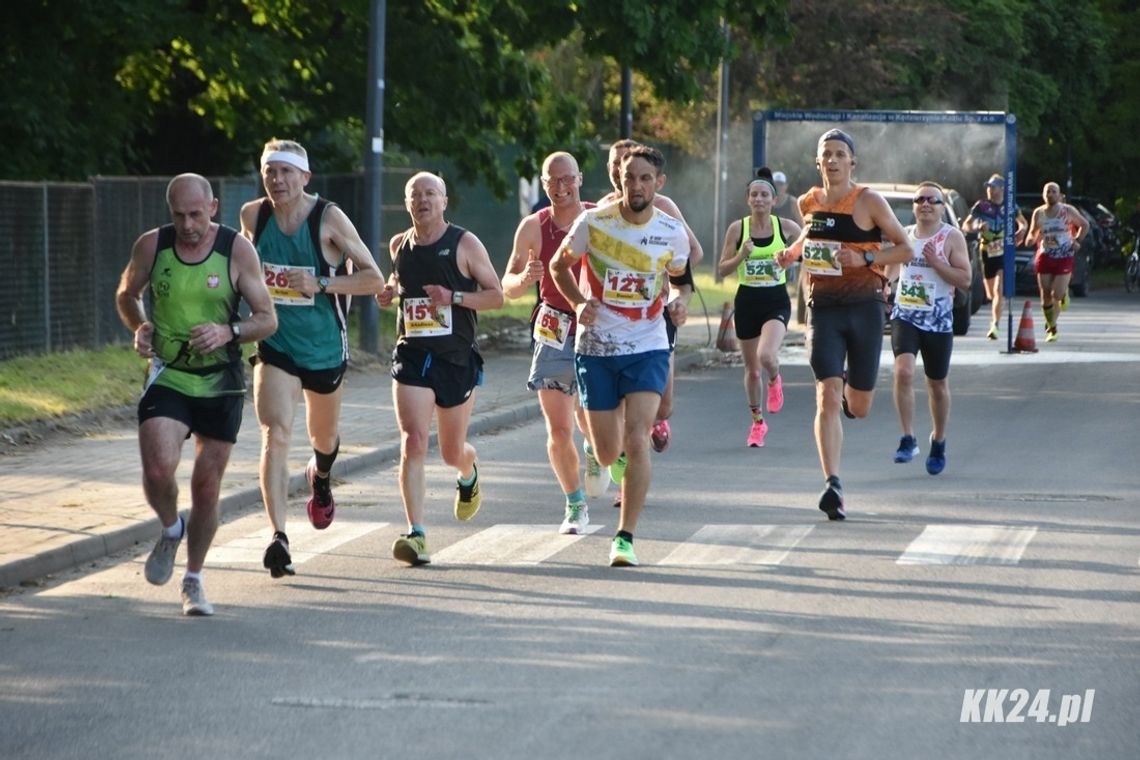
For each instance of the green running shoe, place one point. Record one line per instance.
(411, 548)
(621, 553)
(617, 469)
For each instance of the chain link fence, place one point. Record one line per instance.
(63, 246)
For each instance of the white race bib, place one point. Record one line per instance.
(629, 290)
(423, 319)
(915, 294)
(819, 258)
(277, 280)
(763, 273)
(551, 327)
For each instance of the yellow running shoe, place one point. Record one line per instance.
(467, 498)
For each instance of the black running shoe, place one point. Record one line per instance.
(831, 501)
(277, 559)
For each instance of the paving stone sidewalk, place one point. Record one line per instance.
(76, 499)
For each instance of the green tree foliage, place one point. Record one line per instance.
(158, 86)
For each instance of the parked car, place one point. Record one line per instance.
(1025, 276)
(901, 200)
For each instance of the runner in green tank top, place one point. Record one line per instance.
(195, 271)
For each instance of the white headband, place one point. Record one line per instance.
(285, 157)
(771, 187)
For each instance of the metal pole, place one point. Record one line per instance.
(46, 279)
(373, 174)
(626, 127)
(720, 199)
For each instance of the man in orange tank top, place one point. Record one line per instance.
(842, 251)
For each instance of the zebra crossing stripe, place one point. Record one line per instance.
(305, 542)
(967, 545)
(507, 544)
(738, 545)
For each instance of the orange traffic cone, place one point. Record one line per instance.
(1025, 343)
(726, 336)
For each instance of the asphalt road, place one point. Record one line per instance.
(754, 628)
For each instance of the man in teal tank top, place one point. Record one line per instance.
(196, 272)
(312, 261)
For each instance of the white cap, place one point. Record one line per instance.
(780, 177)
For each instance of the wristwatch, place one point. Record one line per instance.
(322, 283)
(235, 328)
(868, 257)
(457, 297)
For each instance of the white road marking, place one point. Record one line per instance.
(967, 545)
(738, 545)
(305, 542)
(508, 544)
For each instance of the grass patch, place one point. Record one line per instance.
(49, 386)
(70, 382)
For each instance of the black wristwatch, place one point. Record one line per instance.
(235, 328)
(868, 257)
(323, 283)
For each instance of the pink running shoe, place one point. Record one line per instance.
(322, 506)
(756, 435)
(776, 395)
(659, 435)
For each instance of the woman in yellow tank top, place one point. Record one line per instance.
(762, 304)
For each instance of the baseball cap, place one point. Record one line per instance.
(995, 181)
(836, 134)
(780, 177)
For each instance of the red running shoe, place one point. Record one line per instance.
(322, 506)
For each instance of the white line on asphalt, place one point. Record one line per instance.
(738, 545)
(509, 545)
(305, 542)
(967, 545)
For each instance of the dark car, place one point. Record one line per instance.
(1025, 277)
(901, 200)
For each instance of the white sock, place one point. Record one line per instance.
(193, 576)
(176, 530)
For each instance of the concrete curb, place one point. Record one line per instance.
(90, 548)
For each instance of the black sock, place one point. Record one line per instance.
(833, 480)
(325, 461)
(626, 535)
(280, 535)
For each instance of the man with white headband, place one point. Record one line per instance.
(313, 259)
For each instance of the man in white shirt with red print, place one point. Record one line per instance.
(621, 350)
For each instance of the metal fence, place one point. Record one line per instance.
(63, 246)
